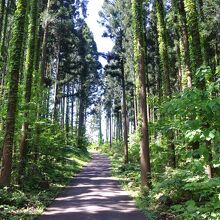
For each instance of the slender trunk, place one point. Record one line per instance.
(135, 110)
(62, 108)
(194, 39)
(100, 128)
(137, 13)
(125, 115)
(72, 107)
(110, 130)
(56, 87)
(67, 123)
(44, 48)
(107, 129)
(164, 59)
(163, 48)
(187, 74)
(204, 43)
(29, 69)
(81, 120)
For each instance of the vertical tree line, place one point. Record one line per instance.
(49, 73)
(169, 70)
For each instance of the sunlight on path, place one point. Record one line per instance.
(93, 195)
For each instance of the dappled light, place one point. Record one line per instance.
(94, 195)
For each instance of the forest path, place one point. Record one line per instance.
(93, 195)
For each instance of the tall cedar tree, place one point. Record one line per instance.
(137, 17)
(29, 70)
(164, 60)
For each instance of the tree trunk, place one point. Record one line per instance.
(56, 87)
(67, 122)
(163, 47)
(29, 69)
(100, 127)
(72, 108)
(44, 48)
(110, 130)
(125, 115)
(137, 17)
(204, 43)
(187, 73)
(194, 39)
(81, 120)
(164, 59)
(14, 66)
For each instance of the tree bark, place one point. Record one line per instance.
(81, 119)
(29, 69)
(56, 86)
(125, 115)
(137, 17)
(44, 48)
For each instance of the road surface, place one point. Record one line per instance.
(93, 195)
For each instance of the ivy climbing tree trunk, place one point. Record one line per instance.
(194, 39)
(14, 66)
(204, 42)
(163, 47)
(137, 18)
(164, 60)
(187, 73)
(29, 70)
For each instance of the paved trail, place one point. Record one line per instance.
(93, 195)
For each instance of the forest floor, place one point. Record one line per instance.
(93, 195)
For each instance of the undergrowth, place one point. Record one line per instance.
(43, 182)
(182, 193)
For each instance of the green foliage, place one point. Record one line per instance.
(134, 147)
(193, 115)
(180, 193)
(44, 179)
(187, 195)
